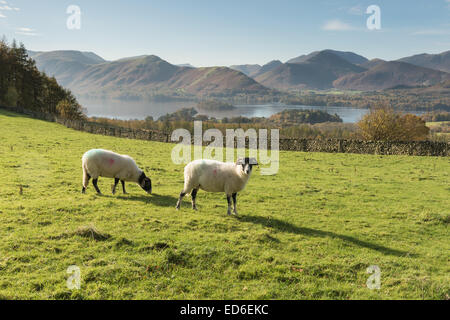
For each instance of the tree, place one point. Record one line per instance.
(69, 110)
(414, 128)
(22, 84)
(383, 123)
(11, 97)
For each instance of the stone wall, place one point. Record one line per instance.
(418, 148)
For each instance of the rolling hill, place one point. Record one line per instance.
(142, 76)
(439, 62)
(247, 69)
(254, 70)
(348, 56)
(85, 73)
(389, 75)
(64, 65)
(268, 67)
(318, 71)
(372, 63)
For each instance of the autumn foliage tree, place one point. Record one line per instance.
(69, 110)
(383, 123)
(23, 85)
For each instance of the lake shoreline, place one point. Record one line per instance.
(139, 110)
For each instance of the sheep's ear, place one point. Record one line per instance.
(240, 162)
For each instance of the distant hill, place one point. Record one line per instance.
(33, 53)
(247, 69)
(348, 56)
(389, 75)
(441, 89)
(268, 67)
(64, 65)
(185, 65)
(254, 70)
(145, 76)
(318, 71)
(150, 76)
(135, 77)
(372, 63)
(439, 62)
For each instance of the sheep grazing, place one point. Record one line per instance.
(102, 163)
(215, 176)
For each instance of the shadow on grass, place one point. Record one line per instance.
(10, 114)
(156, 199)
(288, 227)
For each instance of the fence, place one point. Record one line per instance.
(417, 148)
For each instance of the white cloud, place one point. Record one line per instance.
(25, 29)
(26, 32)
(336, 25)
(8, 8)
(5, 7)
(2, 15)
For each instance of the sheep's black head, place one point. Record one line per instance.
(247, 164)
(145, 183)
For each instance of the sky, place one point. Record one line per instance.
(223, 33)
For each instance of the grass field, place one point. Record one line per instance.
(309, 232)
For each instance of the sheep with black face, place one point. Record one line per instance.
(103, 163)
(215, 176)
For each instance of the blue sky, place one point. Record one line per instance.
(206, 33)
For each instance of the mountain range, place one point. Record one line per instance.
(391, 74)
(86, 73)
(439, 62)
(347, 56)
(330, 69)
(141, 77)
(318, 71)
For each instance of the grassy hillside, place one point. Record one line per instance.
(143, 77)
(308, 233)
(391, 74)
(65, 64)
(317, 72)
(348, 56)
(439, 61)
(247, 69)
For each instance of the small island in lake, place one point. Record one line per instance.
(214, 105)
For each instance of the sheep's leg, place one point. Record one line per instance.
(116, 182)
(94, 182)
(194, 197)
(87, 177)
(123, 187)
(229, 205)
(235, 203)
(182, 194)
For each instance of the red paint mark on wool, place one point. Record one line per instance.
(111, 162)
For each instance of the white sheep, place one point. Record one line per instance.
(215, 176)
(103, 163)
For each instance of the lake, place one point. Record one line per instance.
(126, 110)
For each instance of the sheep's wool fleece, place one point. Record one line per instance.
(214, 176)
(104, 163)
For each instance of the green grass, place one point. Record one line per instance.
(438, 123)
(309, 232)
